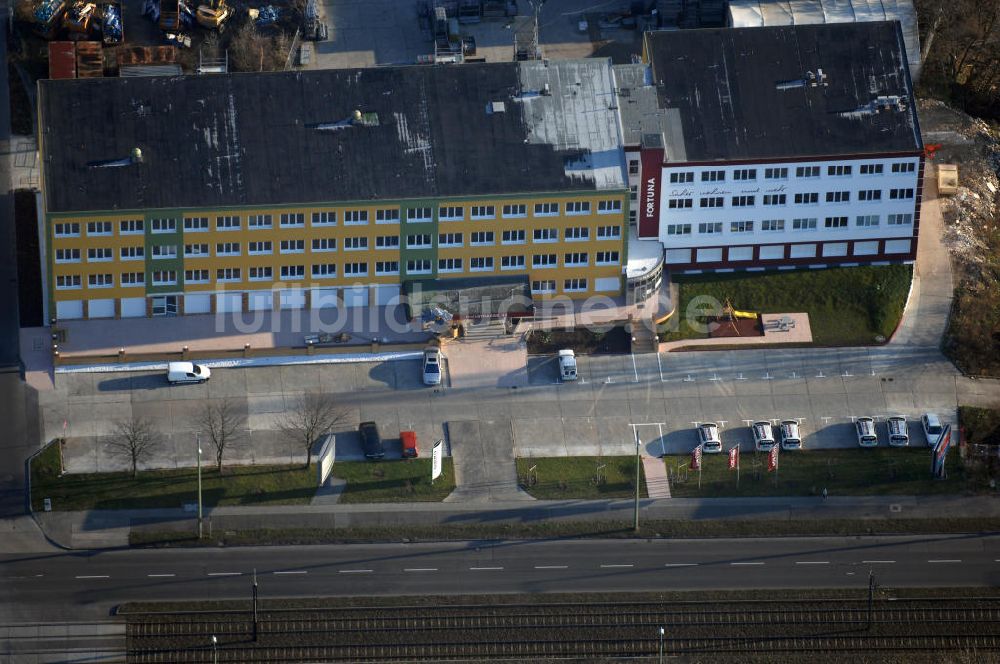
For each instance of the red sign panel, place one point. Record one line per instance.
(772, 459)
(734, 457)
(696, 458)
(649, 192)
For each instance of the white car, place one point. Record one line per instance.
(187, 372)
(932, 427)
(708, 438)
(898, 434)
(763, 436)
(865, 428)
(567, 365)
(432, 366)
(788, 430)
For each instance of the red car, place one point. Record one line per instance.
(409, 440)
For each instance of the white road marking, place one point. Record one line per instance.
(224, 573)
(681, 565)
(878, 562)
(485, 569)
(160, 576)
(420, 569)
(551, 566)
(659, 365)
(812, 562)
(611, 566)
(944, 561)
(354, 571)
(292, 571)
(93, 576)
(635, 369)
(746, 563)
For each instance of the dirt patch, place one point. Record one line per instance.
(737, 327)
(581, 341)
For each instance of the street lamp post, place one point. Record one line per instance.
(635, 521)
(200, 518)
(215, 650)
(661, 644)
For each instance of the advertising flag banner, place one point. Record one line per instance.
(772, 459)
(436, 453)
(696, 458)
(734, 457)
(940, 452)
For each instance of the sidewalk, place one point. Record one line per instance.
(98, 529)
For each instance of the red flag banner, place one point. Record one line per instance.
(734, 457)
(696, 458)
(772, 459)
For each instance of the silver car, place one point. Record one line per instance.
(432, 366)
(865, 428)
(708, 438)
(763, 436)
(898, 434)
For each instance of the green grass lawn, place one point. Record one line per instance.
(237, 485)
(397, 481)
(846, 306)
(850, 472)
(557, 478)
(982, 425)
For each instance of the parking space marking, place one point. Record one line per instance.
(420, 569)
(551, 566)
(93, 576)
(945, 561)
(224, 573)
(614, 566)
(753, 563)
(485, 569)
(160, 576)
(354, 571)
(292, 571)
(681, 564)
(812, 562)
(635, 369)
(877, 562)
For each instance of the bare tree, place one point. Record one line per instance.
(134, 441)
(312, 415)
(221, 421)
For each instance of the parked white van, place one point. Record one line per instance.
(187, 372)
(567, 365)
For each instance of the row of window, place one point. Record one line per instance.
(806, 198)
(777, 225)
(542, 286)
(782, 172)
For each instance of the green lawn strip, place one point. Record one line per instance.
(396, 481)
(237, 485)
(846, 306)
(576, 478)
(849, 472)
(981, 425)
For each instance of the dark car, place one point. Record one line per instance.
(371, 442)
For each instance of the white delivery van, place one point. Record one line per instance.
(187, 372)
(567, 365)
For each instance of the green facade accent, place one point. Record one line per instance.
(175, 238)
(420, 228)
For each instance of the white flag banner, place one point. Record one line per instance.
(436, 453)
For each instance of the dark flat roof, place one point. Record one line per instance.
(724, 85)
(255, 139)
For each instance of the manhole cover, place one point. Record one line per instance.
(895, 508)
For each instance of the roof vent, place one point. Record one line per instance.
(810, 80)
(135, 157)
(357, 118)
(495, 107)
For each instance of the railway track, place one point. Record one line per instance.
(597, 631)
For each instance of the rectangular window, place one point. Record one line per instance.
(329, 218)
(608, 258)
(324, 271)
(904, 167)
(293, 246)
(387, 216)
(546, 209)
(512, 263)
(515, 210)
(67, 255)
(67, 230)
(132, 253)
(131, 227)
(775, 199)
(544, 261)
(292, 219)
(355, 243)
(838, 197)
(164, 278)
(262, 273)
(355, 217)
(576, 259)
(835, 222)
(195, 276)
(449, 265)
(710, 227)
(804, 224)
(578, 207)
(745, 174)
(711, 202)
(100, 254)
(99, 228)
(355, 269)
(100, 280)
(513, 237)
(867, 221)
(740, 227)
(449, 239)
(324, 244)
(67, 281)
(227, 274)
(163, 251)
(839, 171)
(163, 226)
(713, 176)
(224, 223)
(680, 203)
(419, 266)
(609, 232)
(418, 241)
(678, 229)
(481, 264)
(227, 249)
(577, 234)
(681, 177)
(900, 219)
(133, 279)
(258, 248)
(293, 271)
(483, 212)
(574, 285)
(195, 224)
(196, 250)
(387, 267)
(870, 195)
(543, 286)
(900, 194)
(744, 201)
(387, 242)
(633, 166)
(609, 207)
(451, 213)
(633, 193)
(777, 173)
(807, 171)
(545, 235)
(810, 198)
(772, 225)
(418, 215)
(871, 169)
(480, 238)
(259, 221)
